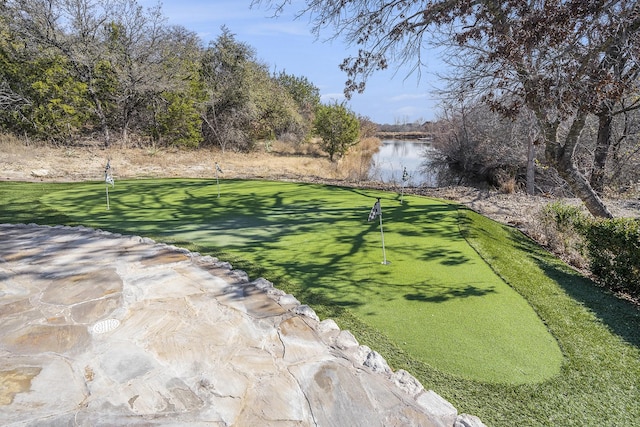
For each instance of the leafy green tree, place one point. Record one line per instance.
(59, 103)
(338, 127)
(305, 94)
(276, 111)
(150, 60)
(228, 113)
(244, 102)
(170, 102)
(73, 29)
(38, 96)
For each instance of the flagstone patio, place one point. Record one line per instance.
(104, 329)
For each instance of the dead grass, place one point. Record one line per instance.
(26, 162)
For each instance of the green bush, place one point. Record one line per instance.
(610, 247)
(562, 226)
(613, 248)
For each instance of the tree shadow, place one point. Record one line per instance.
(258, 222)
(620, 316)
(439, 294)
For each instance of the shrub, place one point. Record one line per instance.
(338, 128)
(610, 247)
(613, 247)
(562, 226)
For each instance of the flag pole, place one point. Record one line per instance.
(108, 179)
(405, 179)
(217, 181)
(376, 211)
(384, 253)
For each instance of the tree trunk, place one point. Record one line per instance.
(101, 116)
(531, 168)
(582, 189)
(561, 157)
(601, 152)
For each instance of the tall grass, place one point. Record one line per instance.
(356, 164)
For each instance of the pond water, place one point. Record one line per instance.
(394, 155)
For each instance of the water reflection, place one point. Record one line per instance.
(395, 155)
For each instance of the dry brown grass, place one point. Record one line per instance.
(23, 160)
(355, 165)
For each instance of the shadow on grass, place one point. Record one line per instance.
(259, 219)
(621, 317)
(435, 294)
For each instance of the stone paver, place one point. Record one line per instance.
(104, 329)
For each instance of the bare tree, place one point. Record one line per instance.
(147, 58)
(557, 58)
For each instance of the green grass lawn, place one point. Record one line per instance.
(473, 309)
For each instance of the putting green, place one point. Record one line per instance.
(437, 299)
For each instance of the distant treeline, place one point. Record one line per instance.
(115, 70)
(405, 135)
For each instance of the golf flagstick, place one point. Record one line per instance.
(376, 211)
(405, 179)
(108, 179)
(217, 181)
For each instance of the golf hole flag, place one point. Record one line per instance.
(217, 180)
(376, 212)
(405, 180)
(108, 179)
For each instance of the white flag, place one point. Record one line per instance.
(218, 168)
(375, 211)
(108, 178)
(405, 175)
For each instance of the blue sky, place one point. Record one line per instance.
(285, 43)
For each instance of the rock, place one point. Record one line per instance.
(407, 382)
(433, 403)
(102, 329)
(346, 340)
(377, 363)
(466, 420)
(305, 310)
(40, 173)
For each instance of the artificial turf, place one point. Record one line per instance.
(449, 308)
(437, 298)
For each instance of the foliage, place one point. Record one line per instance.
(338, 128)
(71, 68)
(244, 103)
(613, 247)
(562, 226)
(303, 92)
(307, 97)
(480, 145)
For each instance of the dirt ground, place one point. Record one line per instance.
(20, 162)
